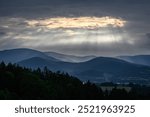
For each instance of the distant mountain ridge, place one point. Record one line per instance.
(99, 69)
(17, 55)
(69, 58)
(138, 59)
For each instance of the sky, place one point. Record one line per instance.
(76, 27)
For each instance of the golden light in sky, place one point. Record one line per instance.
(77, 22)
(77, 30)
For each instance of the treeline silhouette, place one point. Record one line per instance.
(18, 83)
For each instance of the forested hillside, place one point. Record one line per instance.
(21, 83)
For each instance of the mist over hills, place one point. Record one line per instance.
(98, 69)
(69, 58)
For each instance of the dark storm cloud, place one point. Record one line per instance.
(2, 33)
(148, 35)
(75, 7)
(134, 39)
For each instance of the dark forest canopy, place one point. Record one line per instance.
(21, 83)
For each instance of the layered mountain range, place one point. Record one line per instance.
(122, 69)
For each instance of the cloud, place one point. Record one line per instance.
(2, 33)
(77, 22)
(105, 39)
(97, 27)
(148, 35)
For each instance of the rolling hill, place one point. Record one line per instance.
(69, 58)
(99, 69)
(139, 59)
(16, 55)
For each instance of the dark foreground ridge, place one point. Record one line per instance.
(21, 83)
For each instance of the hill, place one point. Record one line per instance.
(16, 55)
(69, 58)
(139, 59)
(25, 84)
(101, 69)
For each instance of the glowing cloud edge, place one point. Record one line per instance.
(77, 22)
